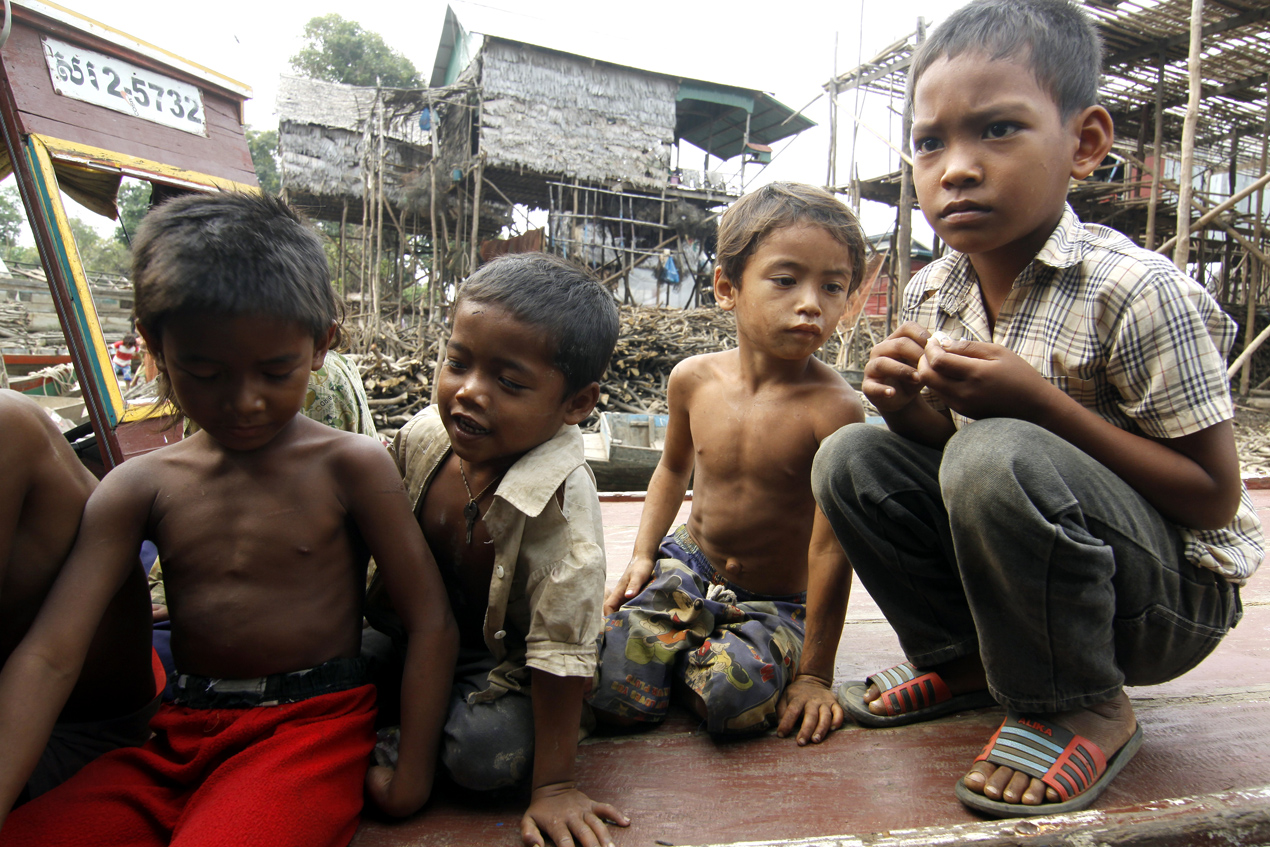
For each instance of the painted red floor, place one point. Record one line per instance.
(1206, 740)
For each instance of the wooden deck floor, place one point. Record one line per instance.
(1203, 775)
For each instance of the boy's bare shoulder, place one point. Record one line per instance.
(836, 403)
(24, 424)
(706, 367)
(350, 452)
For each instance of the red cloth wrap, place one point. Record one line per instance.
(272, 776)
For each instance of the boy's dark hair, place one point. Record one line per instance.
(577, 313)
(230, 254)
(780, 204)
(1053, 37)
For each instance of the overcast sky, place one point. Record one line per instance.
(786, 48)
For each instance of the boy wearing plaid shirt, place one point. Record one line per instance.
(1056, 509)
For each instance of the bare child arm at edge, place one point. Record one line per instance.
(810, 697)
(556, 807)
(41, 672)
(666, 488)
(375, 496)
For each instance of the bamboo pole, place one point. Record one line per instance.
(379, 213)
(343, 255)
(1182, 247)
(434, 273)
(1252, 288)
(1157, 150)
(1219, 209)
(1248, 350)
(476, 212)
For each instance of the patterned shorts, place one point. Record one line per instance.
(735, 649)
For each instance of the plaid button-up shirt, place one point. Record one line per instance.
(1120, 330)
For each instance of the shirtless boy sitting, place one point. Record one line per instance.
(264, 520)
(716, 610)
(42, 495)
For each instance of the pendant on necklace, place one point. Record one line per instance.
(470, 513)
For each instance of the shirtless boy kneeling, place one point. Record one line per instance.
(264, 520)
(716, 610)
(42, 495)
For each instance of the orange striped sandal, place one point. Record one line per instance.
(908, 697)
(1070, 764)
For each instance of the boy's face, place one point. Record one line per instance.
(793, 291)
(241, 378)
(499, 392)
(992, 159)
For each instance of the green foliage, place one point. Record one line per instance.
(264, 155)
(99, 254)
(12, 216)
(133, 202)
(339, 50)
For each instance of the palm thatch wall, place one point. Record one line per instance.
(563, 115)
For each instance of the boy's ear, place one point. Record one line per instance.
(321, 346)
(579, 406)
(1095, 132)
(724, 291)
(154, 344)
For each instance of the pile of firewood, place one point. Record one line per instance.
(397, 370)
(15, 322)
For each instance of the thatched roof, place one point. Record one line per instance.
(323, 132)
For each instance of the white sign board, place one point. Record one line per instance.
(115, 84)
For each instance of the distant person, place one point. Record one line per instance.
(123, 354)
(498, 479)
(264, 520)
(42, 494)
(1054, 510)
(714, 613)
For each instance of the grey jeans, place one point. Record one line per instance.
(1014, 544)
(484, 745)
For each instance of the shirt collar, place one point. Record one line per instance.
(536, 476)
(1066, 245)
(956, 280)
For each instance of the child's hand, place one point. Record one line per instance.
(891, 379)
(812, 700)
(630, 583)
(567, 816)
(158, 613)
(387, 793)
(981, 380)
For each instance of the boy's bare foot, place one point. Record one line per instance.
(962, 675)
(1109, 725)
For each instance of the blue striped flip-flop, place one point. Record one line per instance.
(908, 697)
(1069, 763)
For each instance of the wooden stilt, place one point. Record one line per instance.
(1182, 245)
(1253, 288)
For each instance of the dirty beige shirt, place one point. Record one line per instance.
(547, 589)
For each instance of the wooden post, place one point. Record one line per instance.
(379, 212)
(476, 212)
(480, 180)
(1253, 288)
(343, 256)
(904, 232)
(1228, 253)
(1181, 249)
(434, 272)
(1157, 150)
(1219, 209)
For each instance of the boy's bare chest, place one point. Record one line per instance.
(751, 434)
(228, 519)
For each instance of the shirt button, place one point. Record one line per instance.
(500, 635)
(498, 571)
